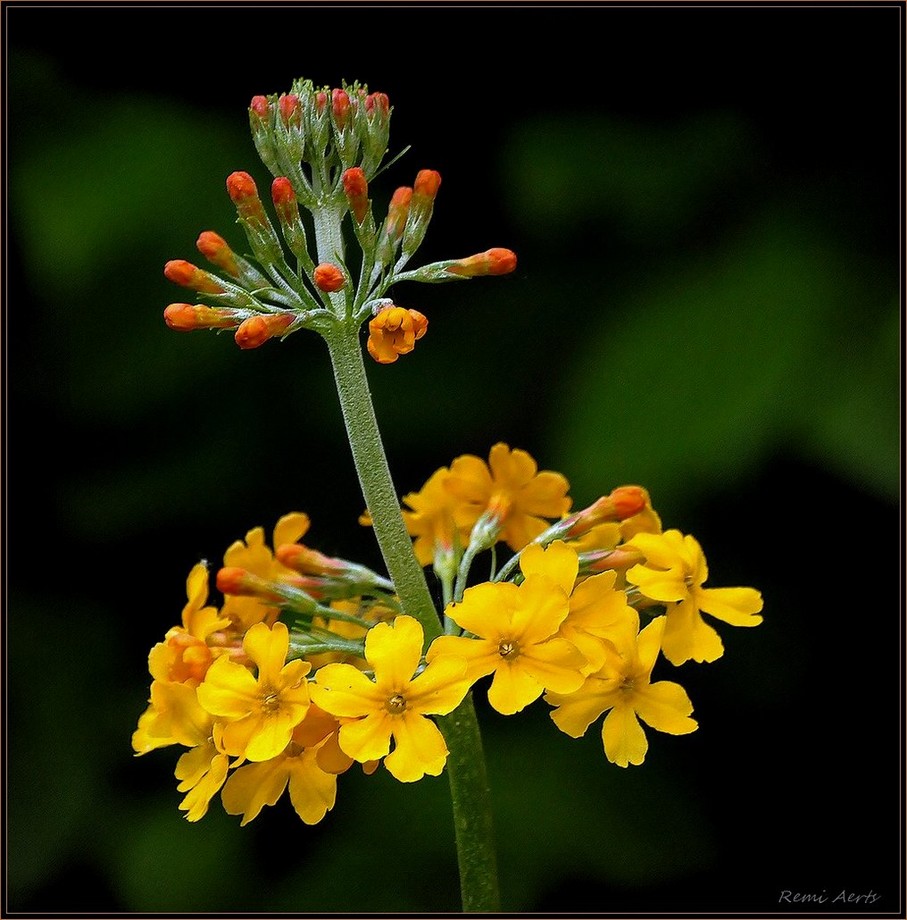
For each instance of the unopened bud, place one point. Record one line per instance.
(340, 106)
(605, 560)
(321, 101)
(241, 188)
(328, 277)
(184, 317)
(282, 194)
(397, 212)
(241, 583)
(256, 330)
(622, 503)
(377, 104)
(215, 249)
(427, 183)
(356, 188)
(490, 262)
(259, 106)
(188, 275)
(289, 109)
(307, 561)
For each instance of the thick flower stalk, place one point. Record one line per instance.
(314, 663)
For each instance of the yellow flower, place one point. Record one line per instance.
(394, 332)
(184, 654)
(433, 520)
(596, 608)
(623, 686)
(673, 574)
(511, 486)
(396, 703)
(201, 773)
(516, 629)
(255, 556)
(261, 712)
(173, 717)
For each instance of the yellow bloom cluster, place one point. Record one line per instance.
(310, 665)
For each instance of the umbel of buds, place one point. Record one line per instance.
(323, 146)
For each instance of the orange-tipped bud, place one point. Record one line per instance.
(427, 183)
(605, 560)
(284, 198)
(321, 101)
(356, 187)
(241, 188)
(256, 330)
(622, 503)
(184, 317)
(307, 561)
(394, 332)
(397, 212)
(191, 276)
(289, 108)
(215, 249)
(239, 582)
(377, 104)
(340, 106)
(328, 277)
(490, 262)
(260, 106)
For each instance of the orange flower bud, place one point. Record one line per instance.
(605, 560)
(239, 582)
(490, 262)
(215, 249)
(328, 277)
(321, 101)
(241, 188)
(188, 275)
(397, 212)
(282, 191)
(622, 503)
(259, 105)
(289, 108)
(307, 561)
(184, 317)
(394, 332)
(356, 188)
(256, 330)
(377, 104)
(340, 106)
(427, 183)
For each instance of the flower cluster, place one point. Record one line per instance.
(323, 147)
(310, 665)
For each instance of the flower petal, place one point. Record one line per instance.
(268, 649)
(556, 665)
(481, 655)
(291, 528)
(229, 689)
(252, 787)
(513, 688)
(623, 737)
(666, 707)
(343, 690)
(419, 748)
(368, 738)
(541, 608)
(394, 650)
(737, 606)
(688, 636)
(660, 586)
(440, 688)
(486, 609)
(313, 792)
(577, 711)
(558, 562)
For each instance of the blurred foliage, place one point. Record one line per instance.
(694, 310)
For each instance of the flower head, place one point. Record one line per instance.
(394, 332)
(673, 574)
(260, 711)
(516, 639)
(511, 485)
(622, 687)
(394, 705)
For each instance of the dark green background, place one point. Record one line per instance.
(705, 206)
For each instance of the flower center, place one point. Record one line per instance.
(396, 704)
(270, 701)
(508, 649)
(628, 683)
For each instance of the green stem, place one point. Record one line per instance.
(471, 797)
(375, 479)
(470, 794)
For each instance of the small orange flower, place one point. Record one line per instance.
(393, 332)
